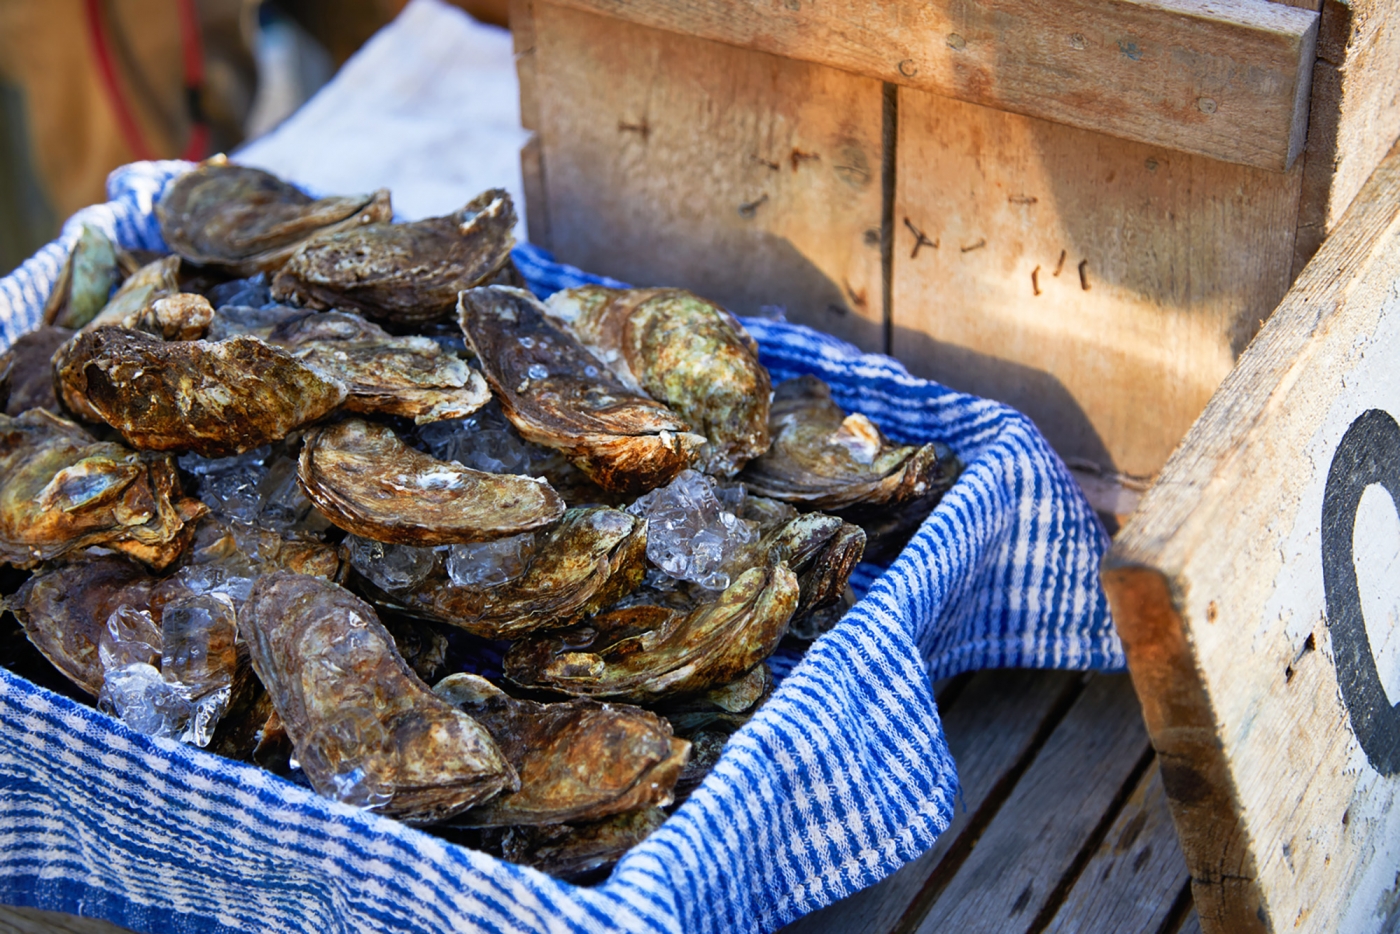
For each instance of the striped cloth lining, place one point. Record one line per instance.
(843, 776)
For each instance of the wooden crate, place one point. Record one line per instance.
(1084, 208)
(1089, 209)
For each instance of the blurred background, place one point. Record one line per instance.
(87, 85)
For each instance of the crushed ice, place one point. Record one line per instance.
(693, 530)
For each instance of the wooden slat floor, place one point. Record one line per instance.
(1062, 827)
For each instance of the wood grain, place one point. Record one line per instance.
(750, 179)
(996, 723)
(1225, 79)
(1219, 586)
(1154, 269)
(1355, 112)
(33, 921)
(1073, 785)
(1133, 880)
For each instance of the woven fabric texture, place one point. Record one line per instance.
(841, 777)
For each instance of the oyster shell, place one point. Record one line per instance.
(577, 851)
(823, 551)
(61, 490)
(367, 481)
(31, 373)
(408, 376)
(84, 282)
(593, 557)
(559, 395)
(645, 653)
(684, 351)
(404, 273)
(822, 458)
(64, 611)
(366, 730)
(213, 398)
(179, 316)
(153, 281)
(248, 220)
(577, 761)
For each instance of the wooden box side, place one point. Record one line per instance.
(1256, 593)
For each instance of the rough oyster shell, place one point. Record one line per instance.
(591, 559)
(576, 851)
(61, 490)
(250, 221)
(213, 398)
(84, 282)
(408, 376)
(156, 279)
(559, 395)
(65, 610)
(367, 481)
(823, 459)
(577, 761)
(645, 653)
(31, 374)
(822, 551)
(366, 730)
(684, 351)
(404, 273)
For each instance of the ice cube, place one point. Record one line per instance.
(488, 564)
(691, 535)
(391, 567)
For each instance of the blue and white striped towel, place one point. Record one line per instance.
(840, 778)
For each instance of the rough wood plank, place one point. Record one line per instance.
(33, 921)
(1154, 269)
(1224, 79)
(1355, 112)
(1073, 786)
(993, 726)
(751, 179)
(1133, 880)
(1192, 924)
(1255, 591)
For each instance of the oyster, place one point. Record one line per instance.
(684, 351)
(366, 730)
(367, 481)
(213, 398)
(559, 395)
(824, 459)
(593, 557)
(31, 370)
(576, 851)
(64, 612)
(403, 273)
(84, 282)
(60, 490)
(157, 279)
(645, 653)
(577, 761)
(409, 376)
(248, 220)
(181, 316)
(823, 551)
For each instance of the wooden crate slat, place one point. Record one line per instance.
(33, 921)
(992, 726)
(1229, 590)
(1182, 256)
(1134, 879)
(1036, 838)
(750, 179)
(1225, 79)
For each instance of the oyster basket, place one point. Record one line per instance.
(839, 779)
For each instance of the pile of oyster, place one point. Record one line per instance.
(258, 494)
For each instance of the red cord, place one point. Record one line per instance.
(127, 123)
(193, 56)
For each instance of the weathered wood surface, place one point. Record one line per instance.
(1012, 876)
(32, 921)
(1255, 590)
(995, 726)
(751, 179)
(1087, 280)
(1137, 878)
(1355, 112)
(1227, 79)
